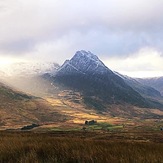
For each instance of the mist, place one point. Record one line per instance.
(35, 86)
(54, 30)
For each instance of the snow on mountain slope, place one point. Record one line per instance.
(27, 68)
(155, 82)
(143, 89)
(86, 73)
(85, 63)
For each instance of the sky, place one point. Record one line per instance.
(127, 35)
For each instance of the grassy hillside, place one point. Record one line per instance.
(18, 109)
(66, 111)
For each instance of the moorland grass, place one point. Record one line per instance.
(31, 147)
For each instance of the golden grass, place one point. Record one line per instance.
(19, 113)
(75, 147)
(77, 111)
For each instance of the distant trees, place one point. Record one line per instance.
(29, 127)
(92, 122)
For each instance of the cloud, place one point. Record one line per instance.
(145, 63)
(54, 29)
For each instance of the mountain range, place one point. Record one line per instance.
(144, 90)
(82, 84)
(156, 82)
(86, 73)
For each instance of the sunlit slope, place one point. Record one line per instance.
(18, 109)
(72, 104)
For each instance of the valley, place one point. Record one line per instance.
(81, 81)
(79, 112)
(63, 98)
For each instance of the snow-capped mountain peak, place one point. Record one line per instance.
(88, 54)
(84, 63)
(86, 73)
(85, 56)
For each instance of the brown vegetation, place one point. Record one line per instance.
(64, 147)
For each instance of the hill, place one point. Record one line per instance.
(18, 109)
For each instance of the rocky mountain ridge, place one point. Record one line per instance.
(85, 72)
(156, 82)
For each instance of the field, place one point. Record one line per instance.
(62, 135)
(81, 147)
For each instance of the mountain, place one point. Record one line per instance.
(144, 90)
(156, 82)
(86, 73)
(27, 69)
(25, 76)
(18, 109)
(8, 93)
(77, 91)
(152, 95)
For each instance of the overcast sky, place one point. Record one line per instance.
(126, 35)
